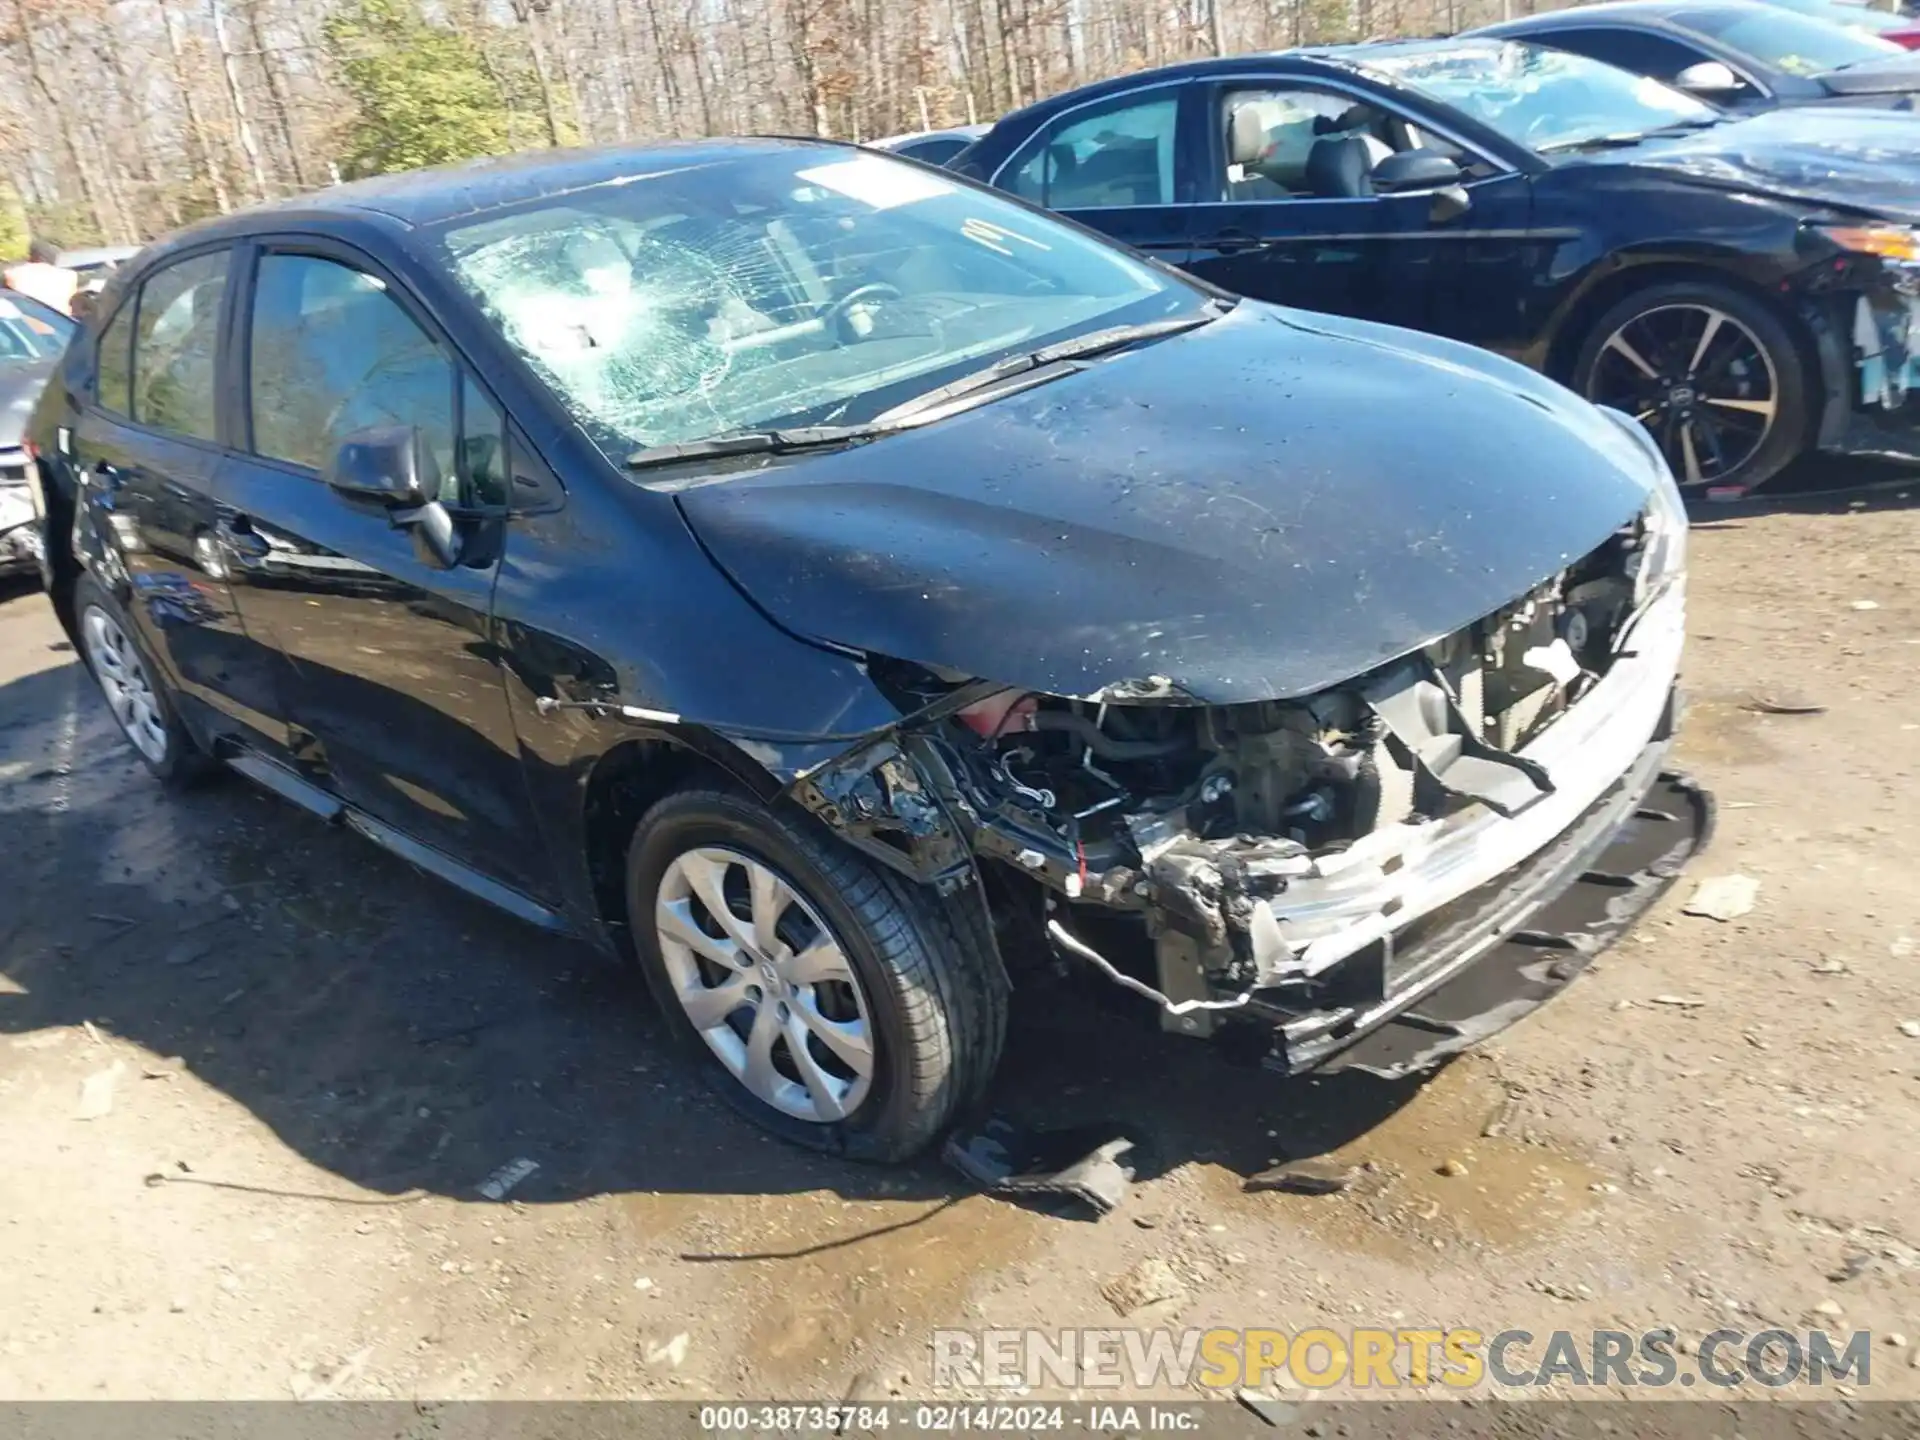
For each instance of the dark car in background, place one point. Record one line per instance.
(1739, 55)
(842, 587)
(32, 338)
(1743, 288)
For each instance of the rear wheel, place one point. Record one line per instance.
(1713, 374)
(831, 1001)
(133, 688)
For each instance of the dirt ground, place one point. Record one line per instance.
(253, 1070)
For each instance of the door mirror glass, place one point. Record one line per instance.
(1413, 170)
(386, 463)
(1709, 77)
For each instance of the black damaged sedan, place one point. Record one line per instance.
(842, 588)
(1749, 289)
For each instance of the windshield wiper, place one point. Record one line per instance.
(902, 417)
(1633, 137)
(758, 442)
(1080, 347)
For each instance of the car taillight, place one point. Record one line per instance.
(1909, 37)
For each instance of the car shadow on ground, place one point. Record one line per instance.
(405, 1037)
(1819, 485)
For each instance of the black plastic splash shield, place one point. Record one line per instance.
(1501, 952)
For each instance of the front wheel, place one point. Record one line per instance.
(831, 1001)
(1713, 374)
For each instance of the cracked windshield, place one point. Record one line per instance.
(1545, 99)
(784, 289)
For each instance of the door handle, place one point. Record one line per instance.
(1233, 242)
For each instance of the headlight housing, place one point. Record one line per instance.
(1889, 242)
(1666, 513)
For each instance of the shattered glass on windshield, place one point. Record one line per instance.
(793, 287)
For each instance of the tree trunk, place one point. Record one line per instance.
(277, 90)
(78, 157)
(236, 101)
(196, 123)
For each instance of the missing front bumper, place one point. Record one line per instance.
(1501, 951)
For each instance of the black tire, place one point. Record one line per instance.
(181, 763)
(1791, 423)
(934, 992)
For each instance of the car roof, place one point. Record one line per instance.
(1655, 12)
(448, 192)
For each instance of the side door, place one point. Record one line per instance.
(391, 671)
(1290, 214)
(1117, 165)
(148, 449)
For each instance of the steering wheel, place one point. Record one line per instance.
(838, 315)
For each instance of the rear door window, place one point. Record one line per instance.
(176, 345)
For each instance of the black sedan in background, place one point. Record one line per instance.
(1740, 55)
(841, 586)
(1743, 288)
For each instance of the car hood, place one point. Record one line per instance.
(1254, 510)
(21, 382)
(1855, 160)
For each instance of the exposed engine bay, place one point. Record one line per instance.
(1213, 824)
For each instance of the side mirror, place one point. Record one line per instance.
(1709, 77)
(1413, 170)
(388, 465)
(385, 463)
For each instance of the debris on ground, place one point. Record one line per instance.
(496, 1185)
(1828, 965)
(1678, 1002)
(1785, 704)
(1723, 897)
(96, 1092)
(1910, 1029)
(1901, 947)
(1082, 1161)
(1453, 1169)
(1268, 1407)
(1864, 605)
(671, 1354)
(1150, 1282)
(1303, 1177)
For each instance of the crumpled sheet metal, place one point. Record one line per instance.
(1083, 1162)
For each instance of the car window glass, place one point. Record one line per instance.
(1116, 157)
(1542, 98)
(1643, 54)
(333, 353)
(26, 332)
(1270, 136)
(116, 362)
(175, 342)
(787, 287)
(1791, 43)
(483, 449)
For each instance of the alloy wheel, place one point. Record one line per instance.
(124, 681)
(1698, 379)
(765, 983)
